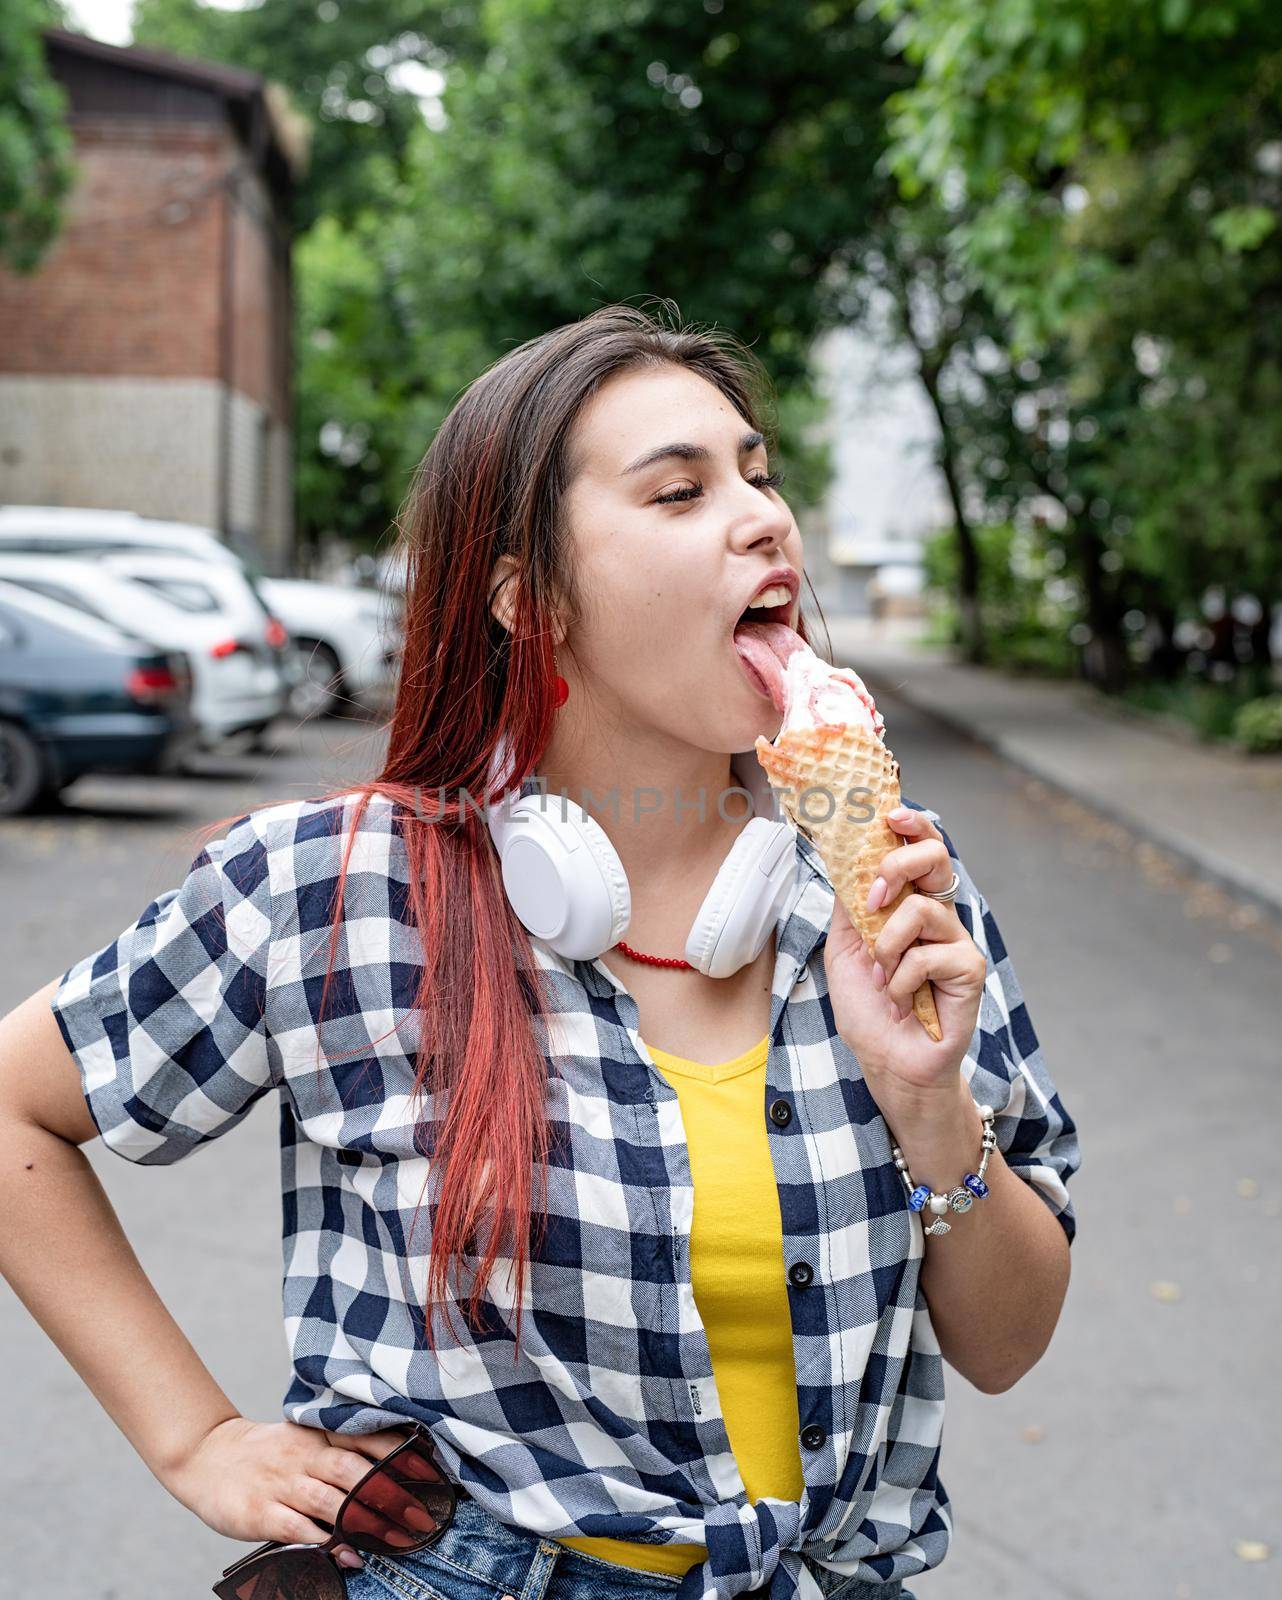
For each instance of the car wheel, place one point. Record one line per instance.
(318, 691)
(22, 770)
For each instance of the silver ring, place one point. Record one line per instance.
(950, 893)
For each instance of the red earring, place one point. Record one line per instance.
(560, 691)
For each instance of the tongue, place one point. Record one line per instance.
(766, 646)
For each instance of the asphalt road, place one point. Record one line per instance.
(1138, 1458)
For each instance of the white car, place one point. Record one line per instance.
(347, 642)
(235, 689)
(335, 660)
(75, 530)
(226, 591)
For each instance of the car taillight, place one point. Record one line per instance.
(149, 684)
(277, 633)
(227, 647)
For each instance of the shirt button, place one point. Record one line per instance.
(801, 977)
(800, 1273)
(813, 1436)
(780, 1113)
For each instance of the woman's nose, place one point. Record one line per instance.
(766, 520)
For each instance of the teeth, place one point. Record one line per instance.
(777, 596)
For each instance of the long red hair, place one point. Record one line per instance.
(492, 483)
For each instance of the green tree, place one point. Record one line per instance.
(581, 151)
(36, 169)
(1193, 332)
(1015, 452)
(350, 67)
(1122, 169)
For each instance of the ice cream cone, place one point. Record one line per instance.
(849, 769)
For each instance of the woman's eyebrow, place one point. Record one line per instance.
(689, 452)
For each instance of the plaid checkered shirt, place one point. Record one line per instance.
(609, 1421)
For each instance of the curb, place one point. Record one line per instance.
(1152, 833)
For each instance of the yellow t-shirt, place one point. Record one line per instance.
(740, 1285)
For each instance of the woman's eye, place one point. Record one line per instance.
(768, 480)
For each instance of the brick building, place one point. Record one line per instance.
(146, 365)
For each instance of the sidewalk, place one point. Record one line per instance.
(1220, 813)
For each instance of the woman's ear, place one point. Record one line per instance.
(502, 596)
(503, 593)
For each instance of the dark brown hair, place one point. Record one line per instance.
(493, 483)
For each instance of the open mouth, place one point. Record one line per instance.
(763, 639)
(780, 613)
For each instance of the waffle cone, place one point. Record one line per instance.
(850, 769)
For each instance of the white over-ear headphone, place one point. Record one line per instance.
(564, 879)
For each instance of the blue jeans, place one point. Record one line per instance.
(481, 1558)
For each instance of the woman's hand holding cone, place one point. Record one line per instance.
(872, 991)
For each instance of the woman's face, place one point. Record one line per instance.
(667, 554)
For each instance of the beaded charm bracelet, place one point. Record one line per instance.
(971, 1188)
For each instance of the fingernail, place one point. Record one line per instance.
(900, 813)
(878, 976)
(899, 1015)
(875, 894)
(349, 1558)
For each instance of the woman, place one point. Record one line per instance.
(687, 1337)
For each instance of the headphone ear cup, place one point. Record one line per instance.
(563, 877)
(745, 899)
(606, 857)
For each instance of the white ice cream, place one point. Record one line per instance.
(816, 693)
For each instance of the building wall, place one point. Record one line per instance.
(260, 286)
(887, 495)
(260, 485)
(111, 354)
(128, 444)
(131, 284)
(148, 445)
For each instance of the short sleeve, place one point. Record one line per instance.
(1005, 1067)
(167, 1023)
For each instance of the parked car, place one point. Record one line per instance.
(232, 691)
(346, 640)
(70, 530)
(86, 532)
(78, 695)
(222, 594)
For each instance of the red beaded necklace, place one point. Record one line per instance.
(654, 961)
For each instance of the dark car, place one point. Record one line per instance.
(78, 695)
